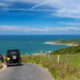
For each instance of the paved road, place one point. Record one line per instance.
(25, 72)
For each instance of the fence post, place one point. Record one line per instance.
(58, 59)
(48, 56)
(66, 64)
(52, 57)
(67, 58)
(41, 52)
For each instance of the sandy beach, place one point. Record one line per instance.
(55, 43)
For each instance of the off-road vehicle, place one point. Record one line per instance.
(13, 57)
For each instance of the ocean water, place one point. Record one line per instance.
(31, 44)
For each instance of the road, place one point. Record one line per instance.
(25, 72)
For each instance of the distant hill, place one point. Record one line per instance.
(70, 50)
(74, 42)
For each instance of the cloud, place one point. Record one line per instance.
(2, 4)
(64, 8)
(10, 28)
(44, 30)
(70, 23)
(43, 10)
(5, 3)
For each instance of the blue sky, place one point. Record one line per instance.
(39, 17)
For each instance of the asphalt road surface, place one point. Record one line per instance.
(25, 72)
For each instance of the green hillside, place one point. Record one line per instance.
(74, 41)
(70, 50)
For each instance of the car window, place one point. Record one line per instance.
(13, 52)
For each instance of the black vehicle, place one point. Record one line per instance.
(13, 57)
(1, 58)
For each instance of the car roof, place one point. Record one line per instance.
(14, 50)
(10, 51)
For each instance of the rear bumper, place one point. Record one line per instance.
(14, 62)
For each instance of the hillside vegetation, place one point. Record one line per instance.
(1, 65)
(70, 50)
(74, 41)
(59, 70)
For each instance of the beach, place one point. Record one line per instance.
(55, 43)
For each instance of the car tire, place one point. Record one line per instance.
(7, 64)
(19, 63)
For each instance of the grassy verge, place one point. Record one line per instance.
(0, 65)
(59, 70)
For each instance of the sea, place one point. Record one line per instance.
(32, 44)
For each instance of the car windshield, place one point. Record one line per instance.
(13, 52)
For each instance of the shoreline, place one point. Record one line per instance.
(55, 43)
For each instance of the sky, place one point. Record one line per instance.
(40, 17)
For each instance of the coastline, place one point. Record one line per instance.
(55, 43)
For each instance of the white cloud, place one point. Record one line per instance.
(10, 28)
(64, 8)
(70, 23)
(2, 4)
(48, 30)
(5, 3)
(46, 10)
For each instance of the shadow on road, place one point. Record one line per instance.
(15, 65)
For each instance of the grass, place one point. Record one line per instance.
(0, 64)
(63, 70)
(73, 41)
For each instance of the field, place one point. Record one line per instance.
(61, 67)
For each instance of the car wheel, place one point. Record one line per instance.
(19, 63)
(7, 64)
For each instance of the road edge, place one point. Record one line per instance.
(3, 67)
